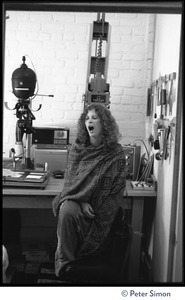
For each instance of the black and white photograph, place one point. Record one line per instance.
(92, 130)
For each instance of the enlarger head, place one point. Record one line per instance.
(23, 81)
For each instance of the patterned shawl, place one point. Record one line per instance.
(97, 176)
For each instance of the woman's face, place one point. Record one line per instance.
(93, 126)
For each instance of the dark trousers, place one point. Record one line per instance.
(72, 228)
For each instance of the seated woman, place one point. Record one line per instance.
(93, 188)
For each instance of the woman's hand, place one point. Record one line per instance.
(87, 209)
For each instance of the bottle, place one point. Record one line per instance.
(18, 149)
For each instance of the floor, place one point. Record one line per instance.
(20, 278)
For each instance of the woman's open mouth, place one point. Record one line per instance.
(91, 128)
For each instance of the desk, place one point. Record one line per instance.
(42, 199)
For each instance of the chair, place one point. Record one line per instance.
(107, 267)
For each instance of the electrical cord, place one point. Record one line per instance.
(148, 166)
(36, 78)
(143, 144)
(145, 173)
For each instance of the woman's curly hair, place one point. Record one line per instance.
(111, 134)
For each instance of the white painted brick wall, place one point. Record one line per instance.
(57, 44)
